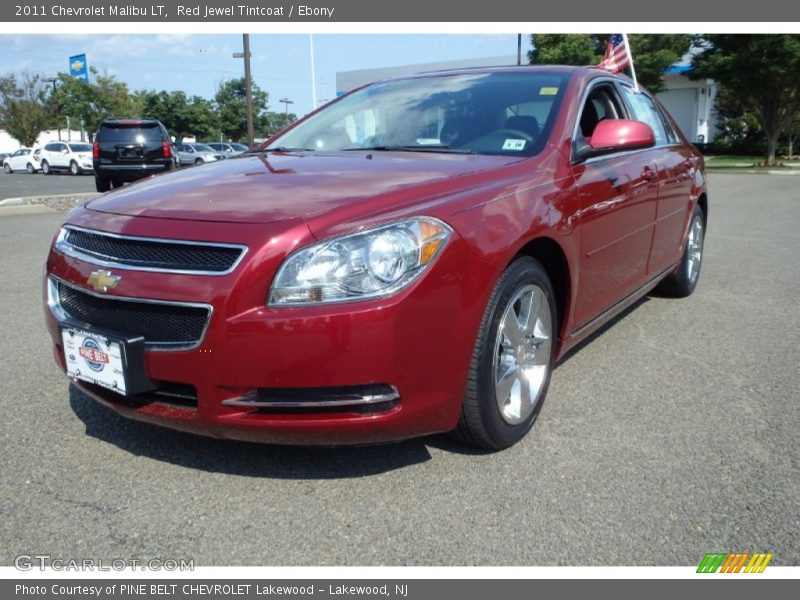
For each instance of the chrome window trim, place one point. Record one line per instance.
(54, 304)
(68, 250)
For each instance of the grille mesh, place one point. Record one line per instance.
(160, 324)
(155, 255)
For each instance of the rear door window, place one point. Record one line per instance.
(130, 134)
(644, 110)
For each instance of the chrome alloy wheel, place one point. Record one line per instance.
(522, 353)
(694, 250)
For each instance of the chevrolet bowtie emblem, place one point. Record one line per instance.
(102, 281)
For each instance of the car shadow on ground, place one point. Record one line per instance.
(242, 458)
(620, 317)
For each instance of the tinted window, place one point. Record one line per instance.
(487, 113)
(80, 147)
(51, 147)
(139, 134)
(203, 148)
(644, 109)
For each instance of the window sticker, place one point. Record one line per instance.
(512, 144)
(548, 91)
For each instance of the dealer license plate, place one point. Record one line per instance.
(95, 358)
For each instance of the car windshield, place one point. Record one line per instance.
(509, 113)
(80, 147)
(203, 148)
(239, 147)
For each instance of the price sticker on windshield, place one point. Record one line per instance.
(513, 144)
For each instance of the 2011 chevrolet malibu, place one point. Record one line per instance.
(412, 258)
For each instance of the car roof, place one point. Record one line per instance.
(129, 121)
(586, 72)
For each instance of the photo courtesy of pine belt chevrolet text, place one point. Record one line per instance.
(412, 258)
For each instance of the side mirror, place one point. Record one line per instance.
(612, 135)
(615, 135)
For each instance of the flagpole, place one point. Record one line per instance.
(630, 60)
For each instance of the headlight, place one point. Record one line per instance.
(367, 264)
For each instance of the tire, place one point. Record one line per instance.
(683, 280)
(502, 402)
(74, 169)
(7, 169)
(102, 184)
(46, 167)
(198, 162)
(30, 169)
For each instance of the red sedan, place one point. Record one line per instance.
(414, 257)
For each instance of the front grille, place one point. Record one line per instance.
(144, 253)
(161, 324)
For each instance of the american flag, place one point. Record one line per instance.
(617, 56)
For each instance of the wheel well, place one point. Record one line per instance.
(554, 261)
(702, 202)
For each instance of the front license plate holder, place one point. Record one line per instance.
(104, 359)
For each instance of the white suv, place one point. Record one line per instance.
(75, 157)
(24, 159)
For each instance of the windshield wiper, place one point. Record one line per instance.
(443, 149)
(287, 149)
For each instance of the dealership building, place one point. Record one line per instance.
(690, 102)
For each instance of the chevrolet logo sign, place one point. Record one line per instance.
(102, 281)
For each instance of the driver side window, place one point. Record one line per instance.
(601, 103)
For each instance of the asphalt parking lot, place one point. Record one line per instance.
(673, 433)
(19, 185)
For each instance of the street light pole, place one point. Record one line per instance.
(248, 87)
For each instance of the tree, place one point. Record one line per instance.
(231, 104)
(762, 70)
(104, 97)
(23, 107)
(182, 115)
(652, 53)
(278, 120)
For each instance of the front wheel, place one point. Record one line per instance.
(7, 168)
(198, 162)
(683, 280)
(74, 169)
(46, 167)
(513, 359)
(30, 169)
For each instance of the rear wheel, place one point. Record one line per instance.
(513, 359)
(682, 282)
(74, 168)
(102, 184)
(30, 169)
(7, 168)
(46, 167)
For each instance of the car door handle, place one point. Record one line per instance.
(648, 174)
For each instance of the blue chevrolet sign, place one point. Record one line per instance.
(78, 67)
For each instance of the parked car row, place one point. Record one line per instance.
(123, 150)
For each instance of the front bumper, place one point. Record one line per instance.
(417, 344)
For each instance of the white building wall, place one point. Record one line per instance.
(11, 144)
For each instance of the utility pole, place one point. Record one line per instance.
(519, 49)
(53, 80)
(313, 74)
(286, 103)
(248, 87)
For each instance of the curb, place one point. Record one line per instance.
(25, 199)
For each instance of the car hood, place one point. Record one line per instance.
(267, 188)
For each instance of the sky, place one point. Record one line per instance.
(280, 64)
